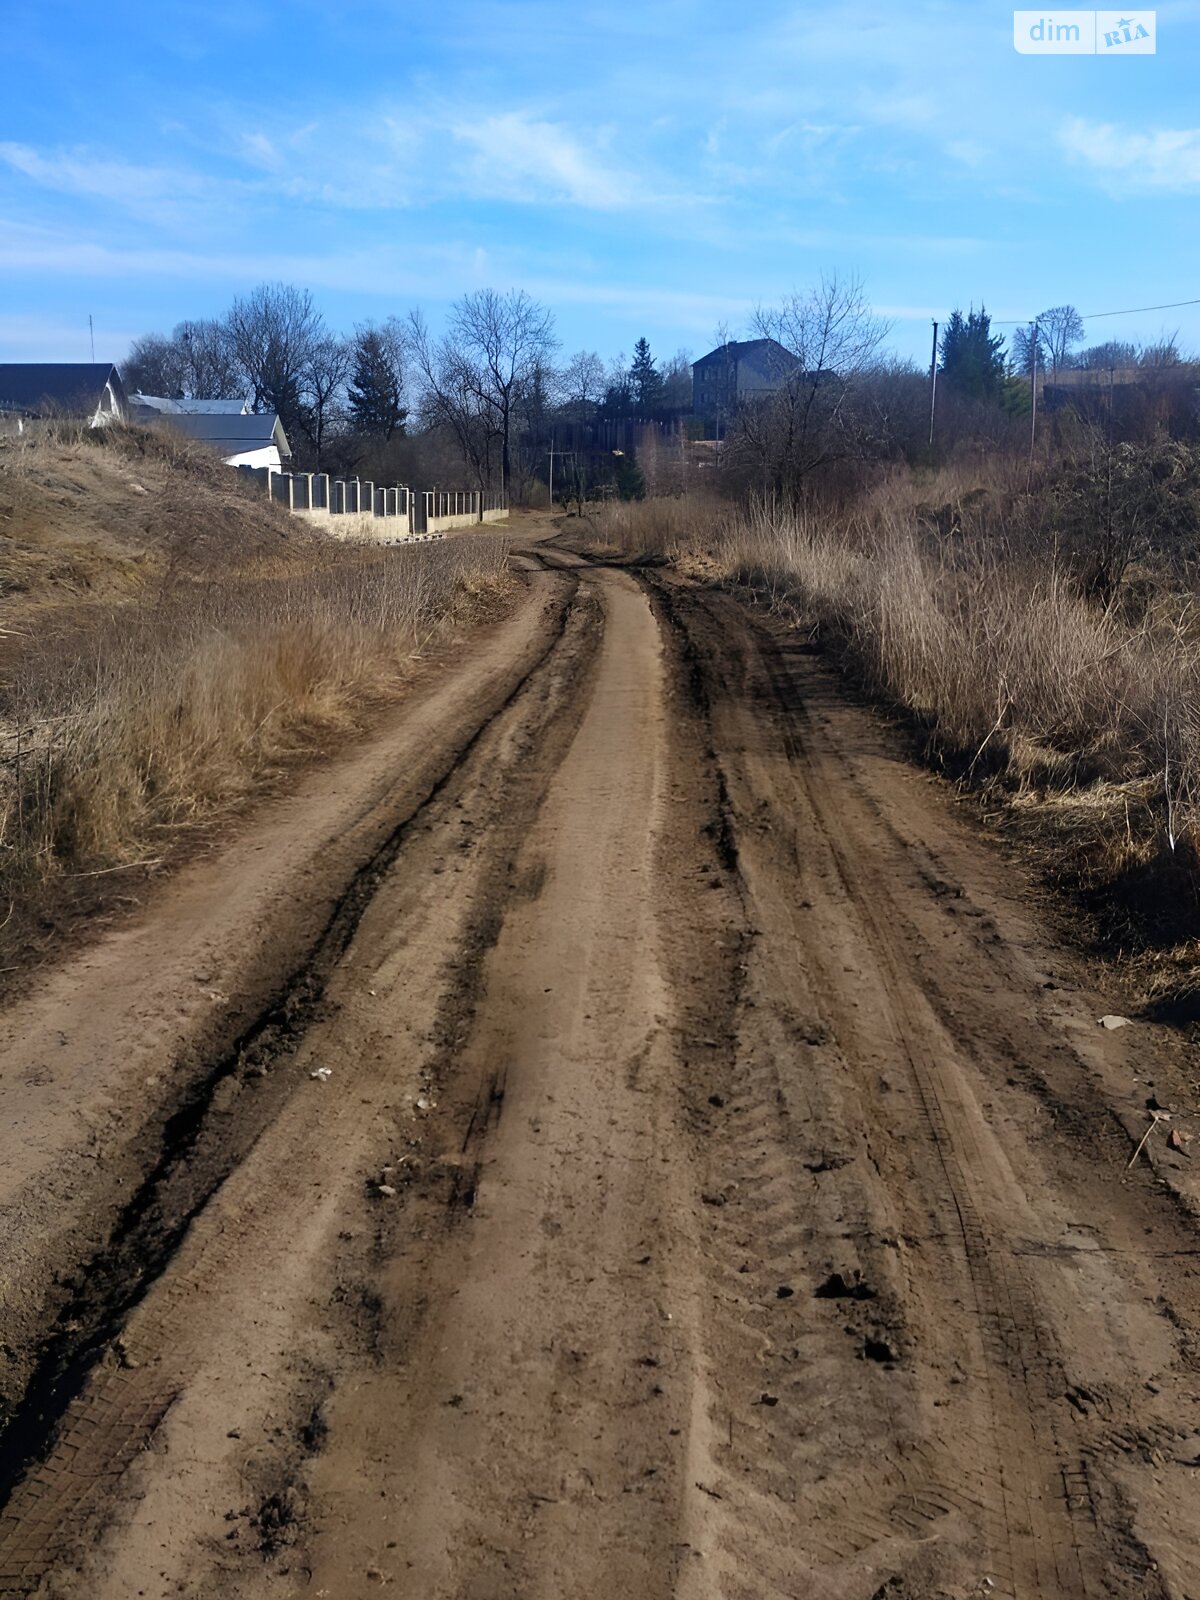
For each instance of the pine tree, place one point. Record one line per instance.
(376, 391)
(631, 483)
(972, 356)
(645, 380)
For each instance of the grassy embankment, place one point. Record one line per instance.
(170, 643)
(985, 609)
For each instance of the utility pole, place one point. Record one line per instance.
(1112, 384)
(1033, 348)
(933, 384)
(552, 472)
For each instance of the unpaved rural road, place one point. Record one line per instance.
(718, 1188)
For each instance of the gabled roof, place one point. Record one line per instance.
(231, 435)
(72, 386)
(157, 402)
(737, 349)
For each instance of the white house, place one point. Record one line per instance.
(240, 440)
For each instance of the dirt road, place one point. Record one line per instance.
(626, 1136)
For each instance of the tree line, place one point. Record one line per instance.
(840, 402)
(974, 360)
(397, 399)
(488, 396)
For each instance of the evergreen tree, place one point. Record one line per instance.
(645, 380)
(376, 392)
(631, 484)
(972, 356)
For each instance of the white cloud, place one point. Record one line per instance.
(1129, 161)
(79, 172)
(260, 151)
(515, 157)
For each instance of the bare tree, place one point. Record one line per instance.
(677, 381)
(1163, 352)
(498, 343)
(1024, 346)
(581, 384)
(828, 338)
(1061, 329)
(155, 365)
(323, 390)
(450, 398)
(273, 332)
(618, 389)
(210, 363)
(195, 363)
(1114, 353)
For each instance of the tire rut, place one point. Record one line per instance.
(1038, 1488)
(201, 1147)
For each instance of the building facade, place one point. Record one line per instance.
(736, 374)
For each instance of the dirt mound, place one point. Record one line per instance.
(87, 516)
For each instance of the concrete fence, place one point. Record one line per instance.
(460, 508)
(354, 508)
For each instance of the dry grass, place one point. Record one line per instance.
(99, 515)
(936, 597)
(124, 725)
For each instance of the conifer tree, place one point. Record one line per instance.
(376, 392)
(972, 356)
(645, 379)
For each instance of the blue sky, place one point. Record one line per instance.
(656, 168)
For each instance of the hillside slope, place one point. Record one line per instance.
(172, 645)
(96, 516)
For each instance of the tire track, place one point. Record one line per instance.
(95, 1401)
(1034, 1495)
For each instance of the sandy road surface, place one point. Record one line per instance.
(718, 1189)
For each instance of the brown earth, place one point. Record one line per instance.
(719, 1188)
(99, 520)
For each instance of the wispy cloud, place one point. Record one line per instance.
(518, 157)
(178, 199)
(1130, 161)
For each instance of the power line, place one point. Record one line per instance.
(1094, 316)
(1136, 310)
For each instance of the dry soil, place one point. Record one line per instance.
(622, 1134)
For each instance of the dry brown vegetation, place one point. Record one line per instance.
(89, 515)
(983, 606)
(133, 711)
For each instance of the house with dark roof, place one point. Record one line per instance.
(240, 441)
(736, 374)
(90, 390)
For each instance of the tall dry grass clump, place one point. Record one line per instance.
(954, 599)
(998, 653)
(669, 526)
(120, 731)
